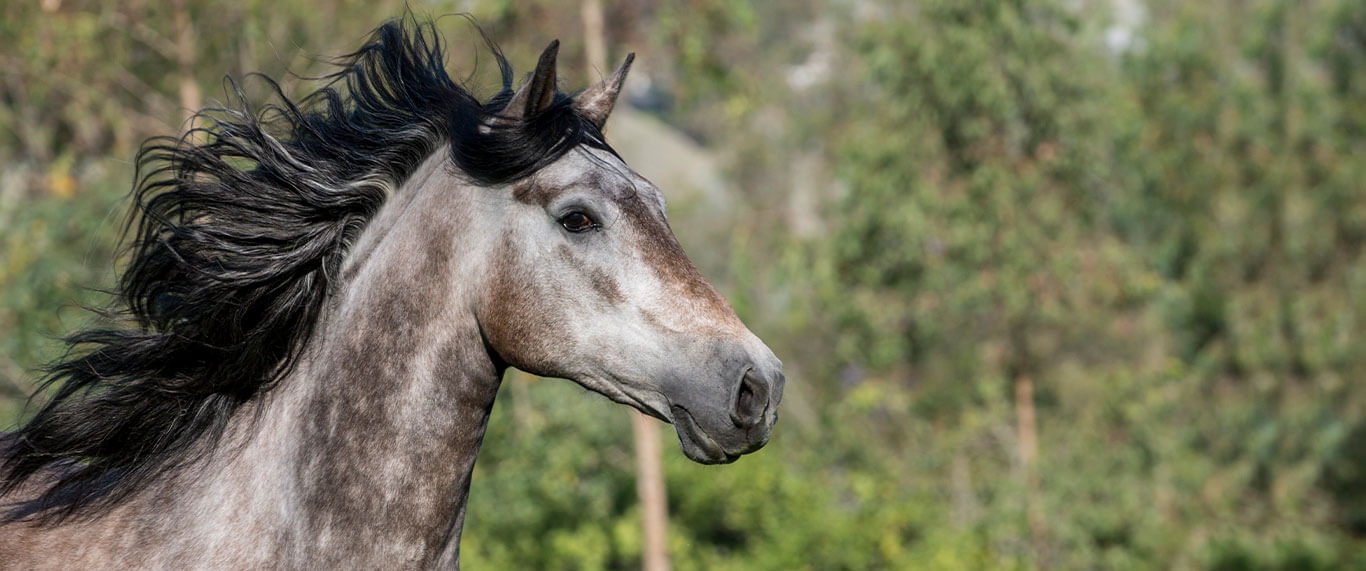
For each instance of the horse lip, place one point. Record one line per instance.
(689, 433)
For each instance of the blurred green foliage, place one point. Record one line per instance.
(936, 202)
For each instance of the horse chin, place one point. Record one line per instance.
(696, 444)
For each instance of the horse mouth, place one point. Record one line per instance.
(696, 444)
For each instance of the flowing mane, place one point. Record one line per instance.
(234, 245)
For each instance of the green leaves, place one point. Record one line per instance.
(1023, 204)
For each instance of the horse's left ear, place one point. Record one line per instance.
(539, 90)
(596, 102)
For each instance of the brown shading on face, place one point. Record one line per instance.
(643, 229)
(517, 320)
(605, 286)
(692, 293)
(533, 191)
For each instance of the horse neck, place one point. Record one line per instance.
(365, 451)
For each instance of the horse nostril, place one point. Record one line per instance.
(751, 400)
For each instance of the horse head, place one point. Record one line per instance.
(590, 284)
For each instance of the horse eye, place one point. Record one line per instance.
(577, 222)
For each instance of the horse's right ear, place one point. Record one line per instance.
(539, 91)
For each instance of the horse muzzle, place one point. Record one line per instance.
(720, 435)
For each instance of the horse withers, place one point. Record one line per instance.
(322, 298)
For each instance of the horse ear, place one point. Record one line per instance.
(539, 91)
(596, 103)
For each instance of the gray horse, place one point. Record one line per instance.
(322, 298)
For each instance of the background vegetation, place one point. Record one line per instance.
(1073, 284)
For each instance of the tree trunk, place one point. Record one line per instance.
(650, 487)
(190, 99)
(1029, 453)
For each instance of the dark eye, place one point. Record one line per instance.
(577, 222)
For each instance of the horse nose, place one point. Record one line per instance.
(752, 397)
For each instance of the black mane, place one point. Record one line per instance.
(234, 245)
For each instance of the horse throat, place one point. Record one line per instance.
(387, 439)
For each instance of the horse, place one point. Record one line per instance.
(321, 298)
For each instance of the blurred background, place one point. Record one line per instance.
(1058, 283)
